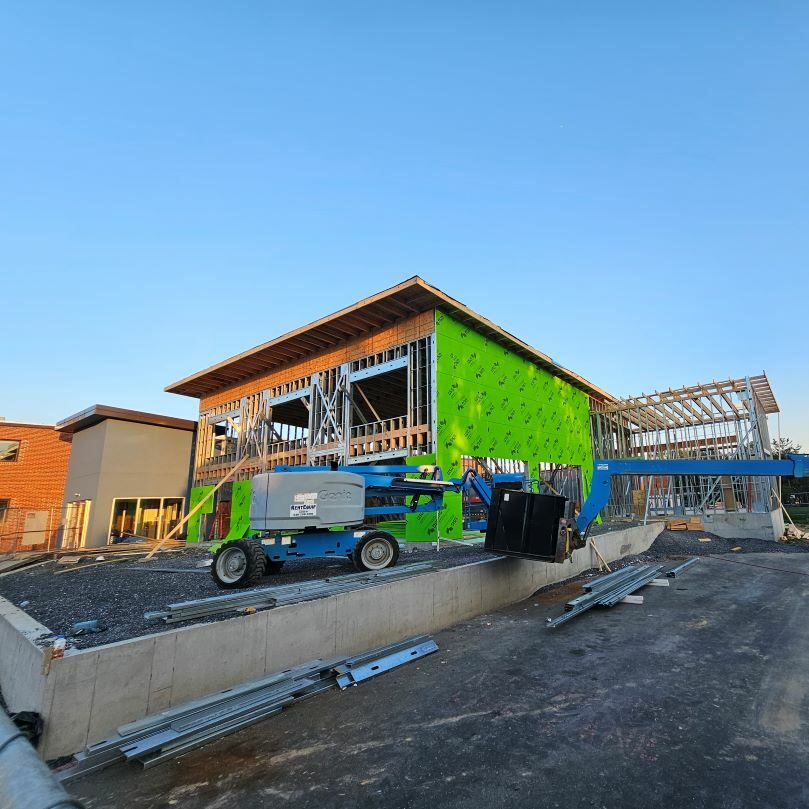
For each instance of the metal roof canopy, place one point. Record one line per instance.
(98, 413)
(698, 404)
(384, 309)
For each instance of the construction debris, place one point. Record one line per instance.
(143, 546)
(23, 569)
(690, 524)
(14, 563)
(123, 557)
(280, 596)
(791, 531)
(74, 557)
(675, 571)
(205, 572)
(177, 730)
(607, 591)
(85, 627)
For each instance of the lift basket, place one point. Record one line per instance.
(524, 524)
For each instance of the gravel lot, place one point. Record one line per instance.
(120, 593)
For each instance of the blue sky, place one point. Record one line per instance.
(623, 185)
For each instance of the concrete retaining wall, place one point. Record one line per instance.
(746, 525)
(22, 680)
(91, 692)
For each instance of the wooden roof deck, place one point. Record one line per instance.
(384, 309)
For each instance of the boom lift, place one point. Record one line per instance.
(542, 527)
(479, 494)
(314, 511)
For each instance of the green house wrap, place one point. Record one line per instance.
(493, 403)
(239, 510)
(198, 493)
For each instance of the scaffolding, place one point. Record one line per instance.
(718, 420)
(375, 409)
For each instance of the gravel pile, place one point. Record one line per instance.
(120, 593)
(686, 543)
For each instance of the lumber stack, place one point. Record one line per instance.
(681, 524)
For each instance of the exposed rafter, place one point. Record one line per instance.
(412, 297)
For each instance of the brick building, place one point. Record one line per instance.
(33, 469)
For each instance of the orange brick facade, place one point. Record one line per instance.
(36, 480)
(408, 330)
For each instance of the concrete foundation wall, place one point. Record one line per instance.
(89, 693)
(746, 525)
(22, 681)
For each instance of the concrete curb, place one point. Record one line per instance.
(89, 693)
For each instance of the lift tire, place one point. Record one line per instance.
(240, 563)
(375, 551)
(272, 567)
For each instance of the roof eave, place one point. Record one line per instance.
(200, 384)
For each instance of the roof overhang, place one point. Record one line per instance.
(761, 387)
(379, 311)
(98, 413)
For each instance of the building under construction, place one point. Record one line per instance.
(411, 373)
(719, 420)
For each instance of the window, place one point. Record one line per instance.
(144, 517)
(9, 450)
(4, 506)
(148, 522)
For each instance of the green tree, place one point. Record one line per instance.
(784, 446)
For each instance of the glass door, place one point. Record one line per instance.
(77, 516)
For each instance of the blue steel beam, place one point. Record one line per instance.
(603, 472)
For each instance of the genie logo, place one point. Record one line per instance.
(334, 495)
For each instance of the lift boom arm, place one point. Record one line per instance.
(603, 471)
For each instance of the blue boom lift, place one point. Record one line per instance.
(542, 527)
(301, 512)
(314, 511)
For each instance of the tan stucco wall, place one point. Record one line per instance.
(124, 459)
